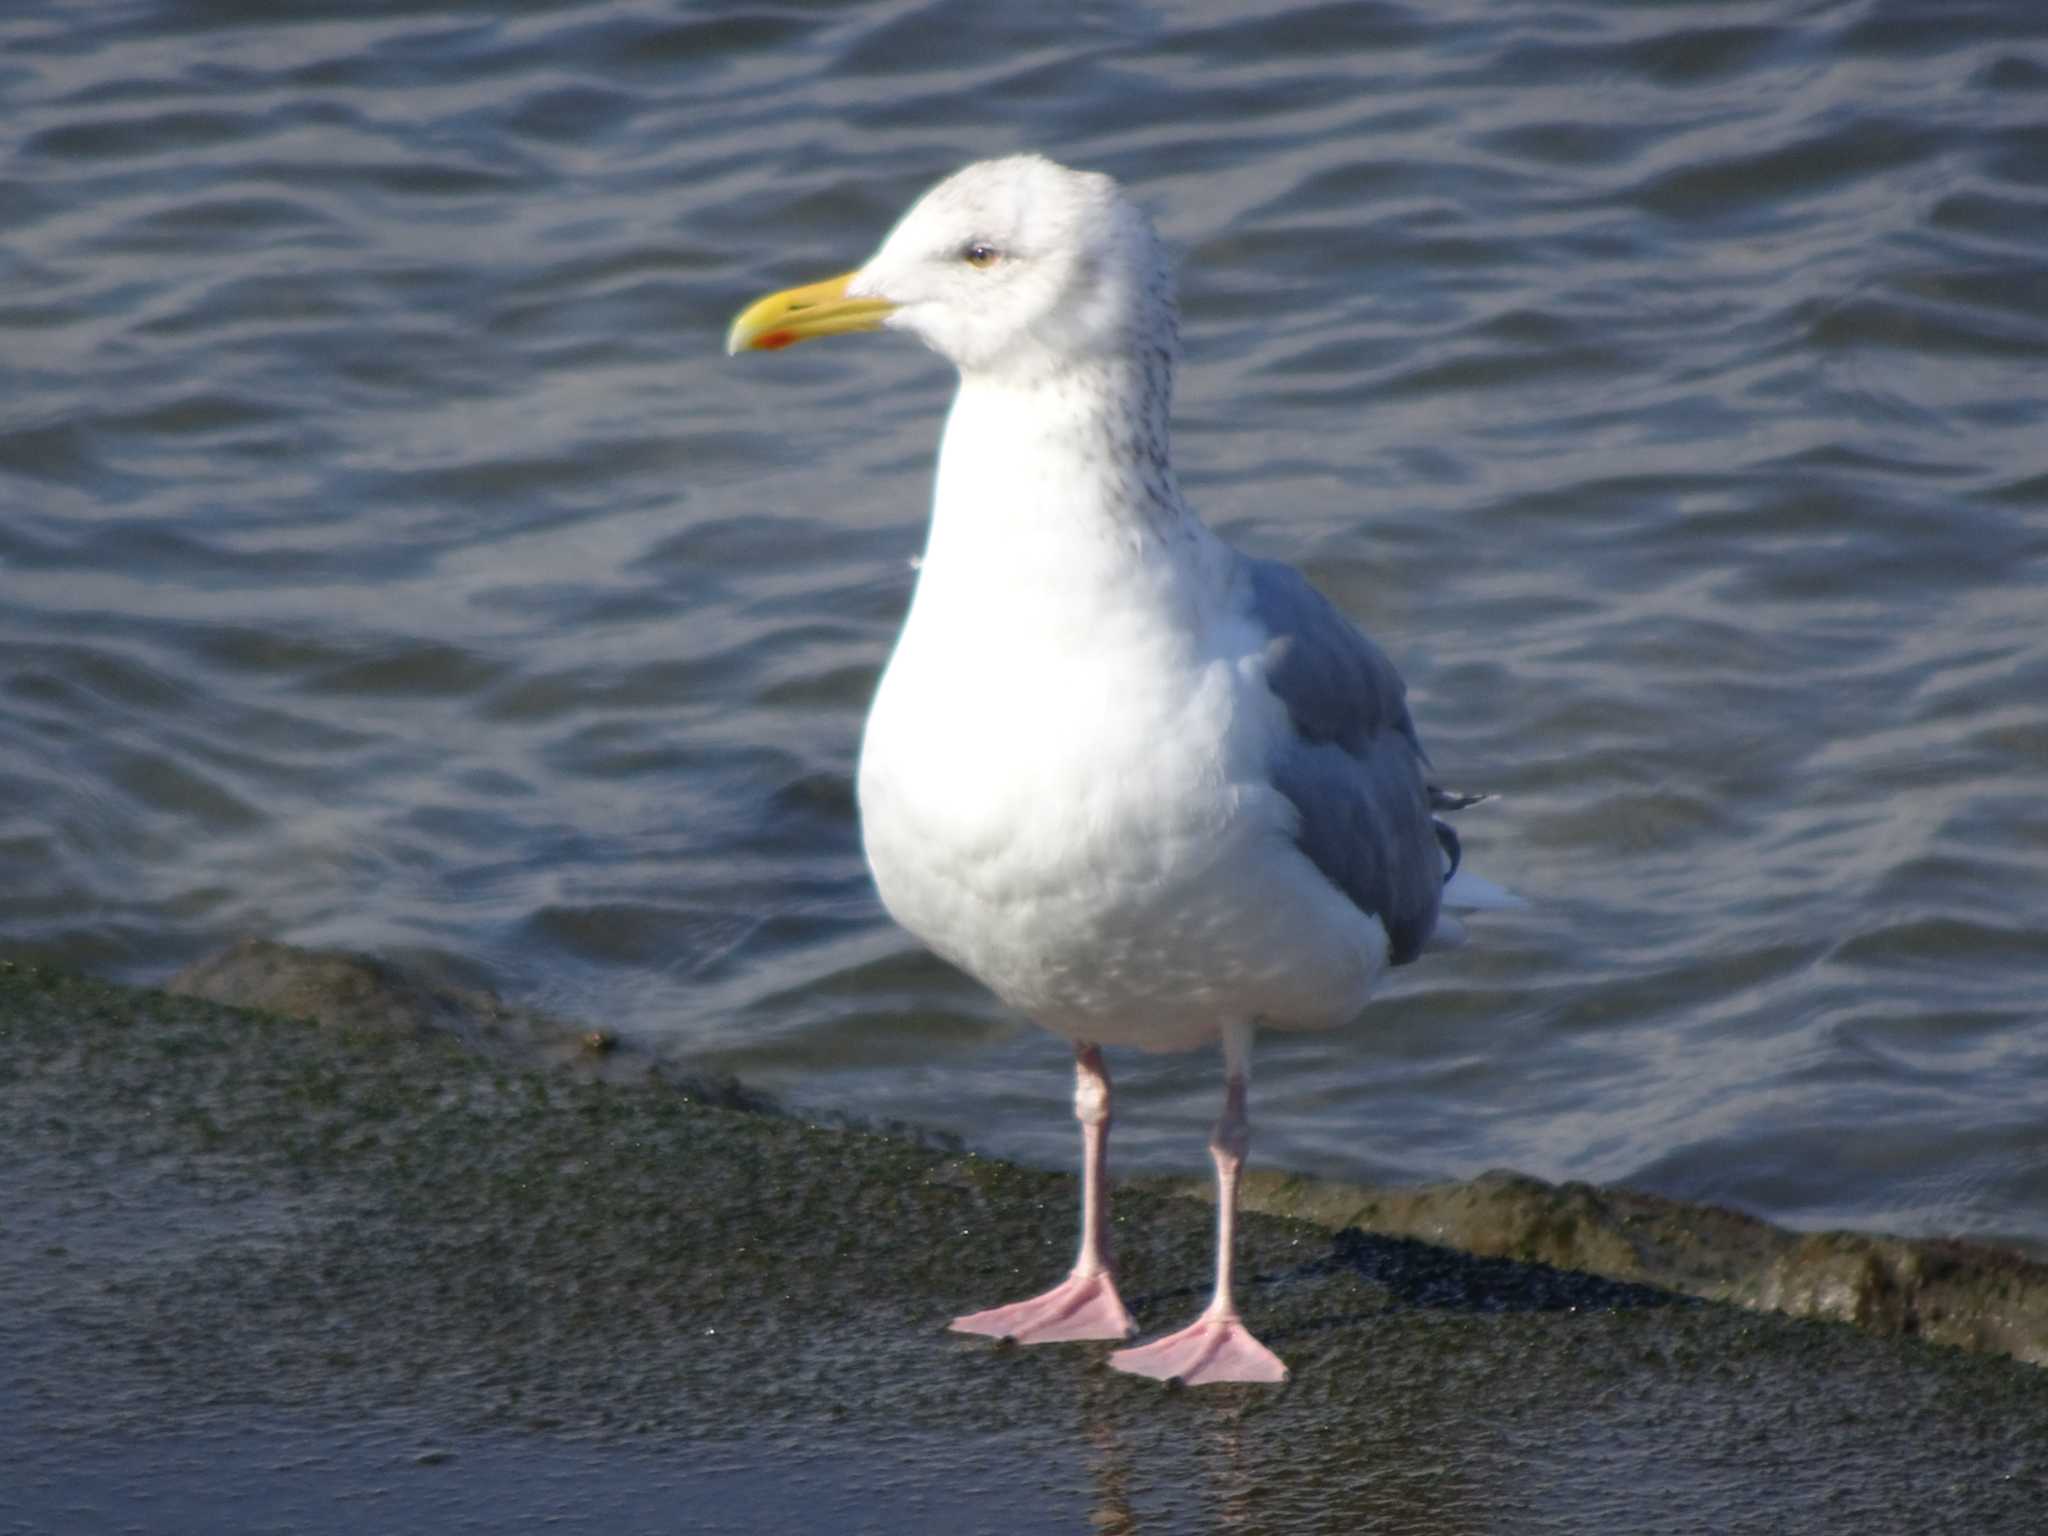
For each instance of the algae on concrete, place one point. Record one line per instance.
(1971, 1295)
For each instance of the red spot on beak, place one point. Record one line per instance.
(774, 341)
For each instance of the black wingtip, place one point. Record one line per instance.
(1454, 851)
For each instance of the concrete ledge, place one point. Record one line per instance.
(379, 1278)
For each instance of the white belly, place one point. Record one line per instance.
(1096, 842)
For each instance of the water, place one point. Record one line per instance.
(388, 558)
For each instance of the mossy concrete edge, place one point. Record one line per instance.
(1970, 1295)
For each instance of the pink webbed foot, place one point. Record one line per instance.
(1079, 1307)
(1210, 1349)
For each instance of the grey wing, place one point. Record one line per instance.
(1354, 768)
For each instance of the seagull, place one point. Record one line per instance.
(1149, 791)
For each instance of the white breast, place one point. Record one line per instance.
(1063, 791)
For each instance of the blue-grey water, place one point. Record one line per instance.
(389, 558)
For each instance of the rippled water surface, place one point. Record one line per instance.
(388, 557)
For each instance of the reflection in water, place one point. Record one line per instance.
(1111, 1470)
(1225, 1474)
(1231, 1484)
(1363, 1437)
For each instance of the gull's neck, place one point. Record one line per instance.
(1062, 468)
(1058, 534)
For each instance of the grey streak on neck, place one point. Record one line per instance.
(1133, 429)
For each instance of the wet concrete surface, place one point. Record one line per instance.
(261, 1274)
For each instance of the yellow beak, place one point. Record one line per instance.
(798, 314)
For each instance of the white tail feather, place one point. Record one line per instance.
(1468, 892)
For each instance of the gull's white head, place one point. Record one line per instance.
(1018, 268)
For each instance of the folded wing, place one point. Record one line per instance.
(1353, 767)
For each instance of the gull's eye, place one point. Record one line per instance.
(981, 255)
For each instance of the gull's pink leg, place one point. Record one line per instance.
(1085, 1305)
(1216, 1346)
